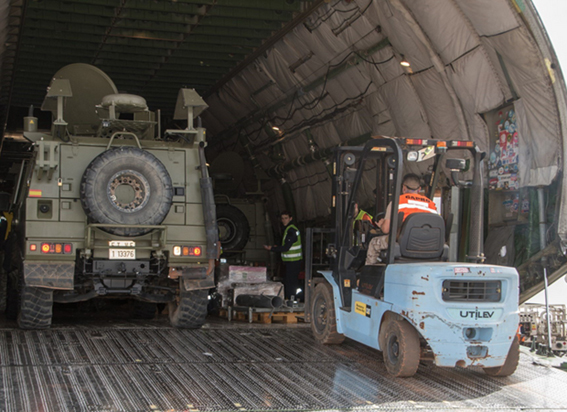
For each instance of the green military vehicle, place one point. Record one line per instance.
(110, 208)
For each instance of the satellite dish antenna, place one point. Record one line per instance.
(89, 85)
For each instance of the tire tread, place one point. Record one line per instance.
(191, 310)
(36, 308)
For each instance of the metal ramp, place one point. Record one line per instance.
(122, 365)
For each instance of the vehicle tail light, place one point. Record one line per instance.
(187, 250)
(55, 248)
(460, 143)
(416, 141)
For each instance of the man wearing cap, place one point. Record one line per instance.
(410, 202)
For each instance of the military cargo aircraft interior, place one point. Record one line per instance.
(247, 205)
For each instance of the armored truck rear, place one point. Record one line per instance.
(109, 209)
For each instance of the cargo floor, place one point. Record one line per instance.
(110, 363)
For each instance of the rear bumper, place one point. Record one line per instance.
(488, 347)
(490, 354)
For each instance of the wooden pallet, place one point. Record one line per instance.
(263, 317)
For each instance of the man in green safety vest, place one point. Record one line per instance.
(361, 214)
(291, 254)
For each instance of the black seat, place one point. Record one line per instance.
(422, 236)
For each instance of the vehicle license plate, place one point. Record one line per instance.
(121, 253)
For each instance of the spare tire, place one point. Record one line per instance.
(233, 228)
(126, 185)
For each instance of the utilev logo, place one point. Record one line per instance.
(476, 314)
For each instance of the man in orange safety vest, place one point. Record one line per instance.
(410, 202)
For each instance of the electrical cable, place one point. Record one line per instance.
(372, 61)
(300, 125)
(328, 14)
(311, 105)
(302, 186)
(349, 22)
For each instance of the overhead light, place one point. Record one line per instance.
(404, 62)
(276, 128)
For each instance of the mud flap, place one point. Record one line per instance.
(196, 284)
(195, 278)
(49, 275)
(209, 208)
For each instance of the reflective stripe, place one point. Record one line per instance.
(294, 255)
(295, 247)
(424, 208)
(418, 203)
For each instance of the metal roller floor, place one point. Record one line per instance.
(114, 364)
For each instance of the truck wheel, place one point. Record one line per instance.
(234, 228)
(143, 310)
(36, 308)
(190, 311)
(510, 364)
(12, 295)
(126, 185)
(401, 348)
(323, 318)
(3, 290)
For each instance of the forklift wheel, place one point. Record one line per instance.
(323, 319)
(510, 364)
(401, 348)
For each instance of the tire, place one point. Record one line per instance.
(401, 349)
(14, 281)
(12, 295)
(234, 228)
(190, 311)
(323, 317)
(510, 364)
(143, 310)
(126, 185)
(3, 289)
(36, 308)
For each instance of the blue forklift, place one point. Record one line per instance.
(415, 305)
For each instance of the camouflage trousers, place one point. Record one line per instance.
(376, 244)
